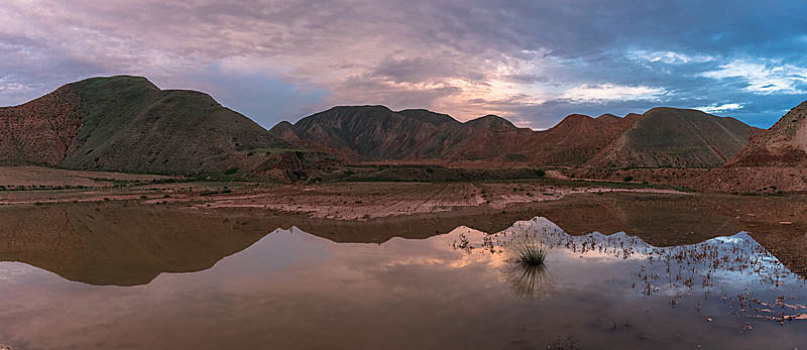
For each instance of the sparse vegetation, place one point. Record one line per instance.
(213, 192)
(431, 173)
(276, 150)
(567, 343)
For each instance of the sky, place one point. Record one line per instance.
(532, 61)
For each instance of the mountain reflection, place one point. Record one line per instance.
(458, 287)
(719, 267)
(112, 244)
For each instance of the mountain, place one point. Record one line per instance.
(577, 138)
(378, 133)
(487, 138)
(783, 145)
(672, 137)
(368, 132)
(126, 123)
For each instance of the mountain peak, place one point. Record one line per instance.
(126, 123)
(576, 118)
(676, 137)
(677, 111)
(115, 82)
(782, 145)
(607, 117)
(492, 121)
(357, 108)
(428, 116)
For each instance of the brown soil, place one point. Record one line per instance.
(41, 131)
(364, 201)
(34, 176)
(737, 180)
(783, 145)
(340, 201)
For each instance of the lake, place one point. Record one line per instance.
(131, 278)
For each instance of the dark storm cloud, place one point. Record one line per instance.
(533, 61)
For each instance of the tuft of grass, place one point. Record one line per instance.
(527, 271)
(529, 254)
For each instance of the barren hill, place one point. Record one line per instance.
(378, 133)
(126, 123)
(578, 138)
(367, 132)
(672, 137)
(784, 144)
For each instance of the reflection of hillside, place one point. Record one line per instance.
(778, 223)
(725, 265)
(660, 221)
(119, 245)
(131, 245)
(112, 244)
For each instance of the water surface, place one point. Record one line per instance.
(460, 290)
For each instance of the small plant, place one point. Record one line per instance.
(464, 243)
(568, 343)
(628, 178)
(527, 272)
(530, 254)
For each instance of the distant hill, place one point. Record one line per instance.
(578, 138)
(783, 145)
(368, 132)
(671, 137)
(126, 123)
(378, 133)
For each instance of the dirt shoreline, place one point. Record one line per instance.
(353, 201)
(348, 206)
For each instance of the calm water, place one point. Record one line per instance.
(460, 290)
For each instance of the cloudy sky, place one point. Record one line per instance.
(532, 61)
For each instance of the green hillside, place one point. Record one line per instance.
(672, 137)
(128, 124)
